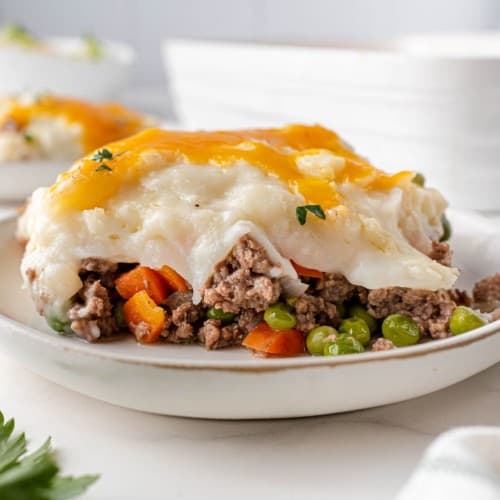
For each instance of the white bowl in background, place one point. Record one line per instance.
(57, 71)
(425, 103)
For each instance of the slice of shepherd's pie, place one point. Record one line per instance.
(283, 240)
(50, 127)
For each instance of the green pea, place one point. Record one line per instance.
(119, 316)
(279, 317)
(401, 329)
(358, 311)
(317, 338)
(224, 317)
(356, 327)
(464, 319)
(446, 229)
(290, 301)
(340, 310)
(343, 344)
(419, 179)
(58, 324)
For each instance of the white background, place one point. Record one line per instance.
(144, 23)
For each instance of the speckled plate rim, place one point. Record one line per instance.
(79, 346)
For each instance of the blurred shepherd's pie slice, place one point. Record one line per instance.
(268, 237)
(49, 127)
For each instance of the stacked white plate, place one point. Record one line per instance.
(428, 103)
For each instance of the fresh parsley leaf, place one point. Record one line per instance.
(102, 154)
(34, 476)
(301, 212)
(62, 488)
(103, 167)
(419, 179)
(316, 210)
(15, 33)
(92, 46)
(446, 228)
(28, 138)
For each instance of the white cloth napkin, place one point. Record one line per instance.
(461, 464)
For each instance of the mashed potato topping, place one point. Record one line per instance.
(48, 126)
(184, 200)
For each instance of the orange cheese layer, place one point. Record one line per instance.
(274, 151)
(101, 123)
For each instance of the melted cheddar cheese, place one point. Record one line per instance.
(281, 153)
(100, 123)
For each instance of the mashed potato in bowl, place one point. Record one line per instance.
(274, 238)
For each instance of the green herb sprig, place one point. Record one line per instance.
(28, 138)
(15, 33)
(103, 168)
(301, 213)
(100, 156)
(34, 476)
(92, 46)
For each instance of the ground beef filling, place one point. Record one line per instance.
(92, 313)
(441, 252)
(486, 293)
(243, 284)
(243, 280)
(319, 304)
(382, 344)
(430, 310)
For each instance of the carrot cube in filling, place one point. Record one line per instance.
(174, 279)
(276, 342)
(142, 278)
(144, 318)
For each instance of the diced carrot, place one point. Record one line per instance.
(144, 318)
(142, 278)
(305, 271)
(174, 280)
(281, 342)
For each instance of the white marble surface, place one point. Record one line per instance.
(360, 455)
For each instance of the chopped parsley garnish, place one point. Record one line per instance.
(28, 138)
(15, 33)
(34, 476)
(102, 154)
(103, 168)
(92, 46)
(301, 212)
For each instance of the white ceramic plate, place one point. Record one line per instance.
(18, 179)
(188, 381)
